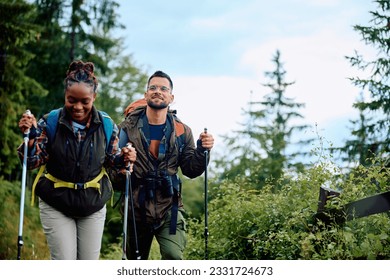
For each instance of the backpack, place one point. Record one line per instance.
(179, 126)
(52, 122)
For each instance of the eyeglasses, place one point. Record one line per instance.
(162, 88)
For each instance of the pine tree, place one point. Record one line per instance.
(16, 30)
(264, 149)
(372, 133)
(358, 148)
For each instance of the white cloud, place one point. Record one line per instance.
(318, 66)
(217, 23)
(320, 3)
(212, 102)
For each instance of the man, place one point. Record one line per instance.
(163, 144)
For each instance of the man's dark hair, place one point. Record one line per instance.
(161, 74)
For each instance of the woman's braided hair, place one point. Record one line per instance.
(80, 71)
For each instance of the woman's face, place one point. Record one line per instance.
(79, 99)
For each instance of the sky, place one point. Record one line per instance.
(217, 51)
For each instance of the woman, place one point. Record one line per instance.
(73, 145)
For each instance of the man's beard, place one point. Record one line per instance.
(157, 106)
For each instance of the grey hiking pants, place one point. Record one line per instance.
(72, 238)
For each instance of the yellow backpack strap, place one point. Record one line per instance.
(40, 172)
(94, 183)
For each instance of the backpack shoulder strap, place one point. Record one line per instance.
(51, 124)
(180, 132)
(108, 126)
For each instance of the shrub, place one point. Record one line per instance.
(34, 247)
(279, 224)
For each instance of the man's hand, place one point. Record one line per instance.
(207, 140)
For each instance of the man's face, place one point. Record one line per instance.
(159, 93)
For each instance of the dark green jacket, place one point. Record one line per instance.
(191, 161)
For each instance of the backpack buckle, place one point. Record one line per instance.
(79, 186)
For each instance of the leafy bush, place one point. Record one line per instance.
(34, 247)
(279, 224)
(244, 223)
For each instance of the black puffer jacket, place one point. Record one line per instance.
(72, 161)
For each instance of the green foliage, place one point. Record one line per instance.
(114, 251)
(78, 30)
(35, 247)
(16, 30)
(245, 223)
(122, 83)
(113, 227)
(193, 196)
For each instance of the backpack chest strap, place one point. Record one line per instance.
(94, 183)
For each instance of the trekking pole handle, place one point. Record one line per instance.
(205, 132)
(128, 145)
(27, 132)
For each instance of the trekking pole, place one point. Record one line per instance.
(22, 194)
(129, 189)
(125, 213)
(206, 226)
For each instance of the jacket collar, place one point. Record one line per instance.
(92, 121)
